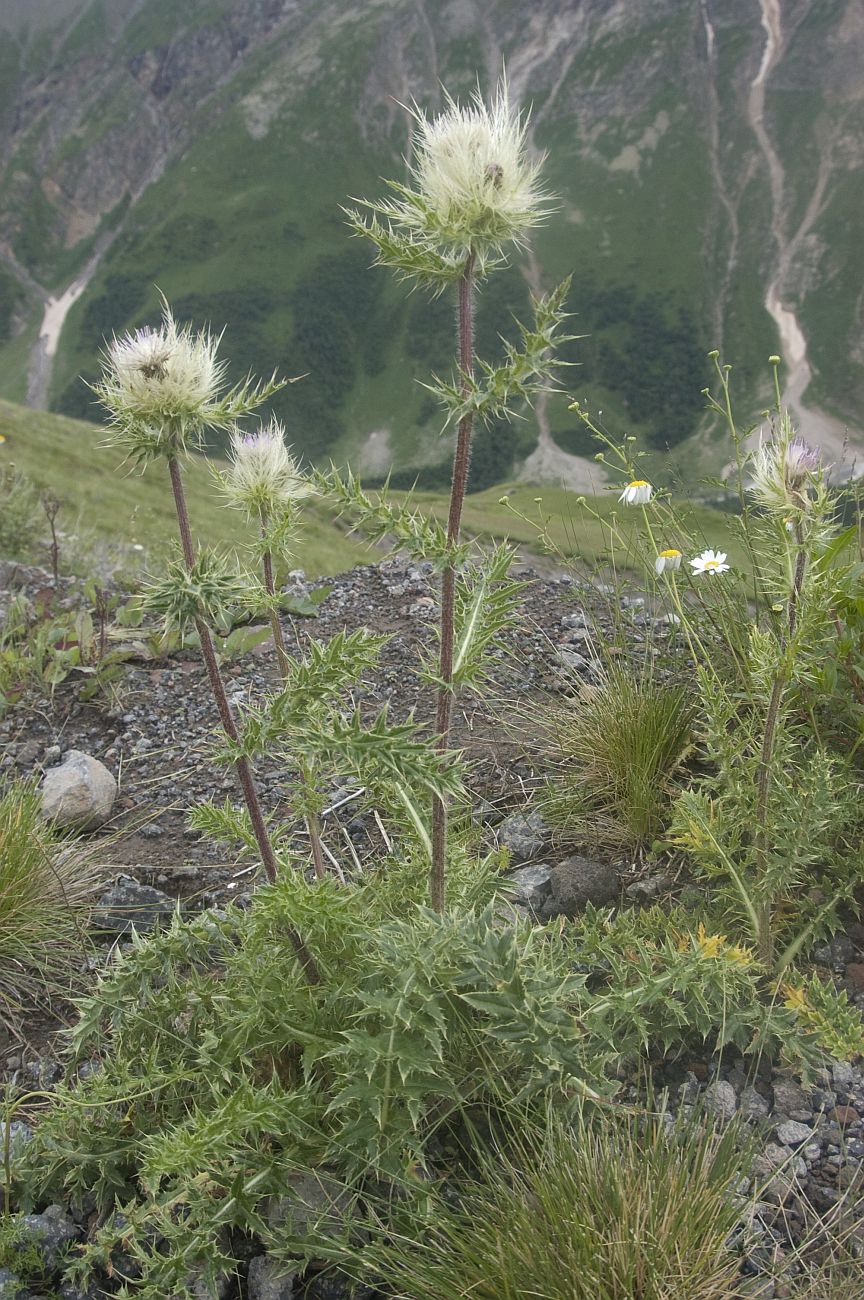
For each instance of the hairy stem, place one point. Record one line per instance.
(245, 774)
(461, 464)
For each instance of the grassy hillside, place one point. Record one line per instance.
(102, 501)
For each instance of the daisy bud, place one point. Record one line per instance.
(637, 493)
(262, 476)
(709, 562)
(667, 561)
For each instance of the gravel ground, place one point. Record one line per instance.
(157, 741)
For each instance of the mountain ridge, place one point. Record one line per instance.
(209, 151)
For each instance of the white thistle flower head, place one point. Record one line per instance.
(667, 561)
(637, 493)
(709, 562)
(262, 476)
(782, 471)
(473, 174)
(165, 381)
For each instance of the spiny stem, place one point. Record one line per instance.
(461, 464)
(245, 774)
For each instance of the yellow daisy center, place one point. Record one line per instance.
(638, 482)
(669, 554)
(711, 564)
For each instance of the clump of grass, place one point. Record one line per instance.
(616, 1209)
(618, 746)
(44, 894)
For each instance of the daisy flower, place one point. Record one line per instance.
(637, 493)
(668, 560)
(709, 562)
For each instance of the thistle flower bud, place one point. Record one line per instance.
(167, 379)
(262, 476)
(474, 178)
(781, 471)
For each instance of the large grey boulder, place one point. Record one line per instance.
(578, 881)
(80, 793)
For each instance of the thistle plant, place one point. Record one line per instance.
(263, 479)
(163, 389)
(473, 194)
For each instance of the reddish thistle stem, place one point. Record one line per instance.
(461, 465)
(217, 686)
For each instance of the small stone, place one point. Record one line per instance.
(645, 891)
(790, 1098)
(793, 1134)
(11, 1286)
(51, 1232)
(52, 755)
(316, 1202)
(844, 1115)
(843, 1075)
(855, 976)
(128, 903)
(753, 1104)
(523, 835)
(721, 1099)
(267, 1281)
(28, 753)
(19, 1135)
(80, 793)
(578, 881)
(531, 886)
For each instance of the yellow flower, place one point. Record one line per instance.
(710, 945)
(739, 956)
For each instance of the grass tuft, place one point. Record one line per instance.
(45, 892)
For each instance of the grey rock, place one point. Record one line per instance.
(572, 661)
(52, 755)
(753, 1104)
(645, 891)
(128, 903)
(28, 753)
(267, 1281)
(791, 1099)
(843, 1075)
(80, 793)
(44, 1071)
(331, 1286)
(837, 953)
(68, 1291)
(11, 1286)
(316, 1201)
(578, 881)
(19, 1135)
(793, 1134)
(52, 1231)
(523, 835)
(721, 1099)
(531, 886)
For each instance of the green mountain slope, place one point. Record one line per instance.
(206, 148)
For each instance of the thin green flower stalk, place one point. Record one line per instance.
(473, 193)
(163, 390)
(263, 479)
